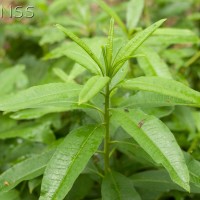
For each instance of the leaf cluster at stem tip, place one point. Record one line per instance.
(112, 65)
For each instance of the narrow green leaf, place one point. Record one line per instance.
(117, 186)
(69, 161)
(109, 46)
(74, 52)
(113, 14)
(82, 44)
(152, 64)
(134, 12)
(79, 55)
(25, 170)
(157, 140)
(35, 113)
(165, 87)
(134, 44)
(151, 99)
(40, 96)
(119, 76)
(93, 86)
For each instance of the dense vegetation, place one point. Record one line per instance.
(100, 100)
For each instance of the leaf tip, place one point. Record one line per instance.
(162, 20)
(58, 26)
(186, 186)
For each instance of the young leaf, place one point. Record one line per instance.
(74, 52)
(157, 140)
(25, 170)
(82, 44)
(40, 96)
(134, 12)
(109, 46)
(69, 161)
(134, 44)
(119, 76)
(79, 55)
(113, 14)
(117, 186)
(93, 86)
(165, 87)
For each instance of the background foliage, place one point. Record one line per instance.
(34, 52)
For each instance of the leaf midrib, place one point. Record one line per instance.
(160, 152)
(116, 187)
(73, 161)
(38, 98)
(194, 99)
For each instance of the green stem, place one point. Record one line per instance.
(193, 59)
(194, 144)
(107, 127)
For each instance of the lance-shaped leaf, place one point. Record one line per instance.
(76, 53)
(40, 96)
(157, 140)
(151, 99)
(93, 86)
(109, 46)
(69, 161)
(165, 87)
(133, 45)
(134, 12)
(66, 105)
(82, 44)
(25, 170)
(117, 186)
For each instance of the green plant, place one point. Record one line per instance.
(101, 118)
(71, 156)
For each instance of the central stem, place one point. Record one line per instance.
(107, 127)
